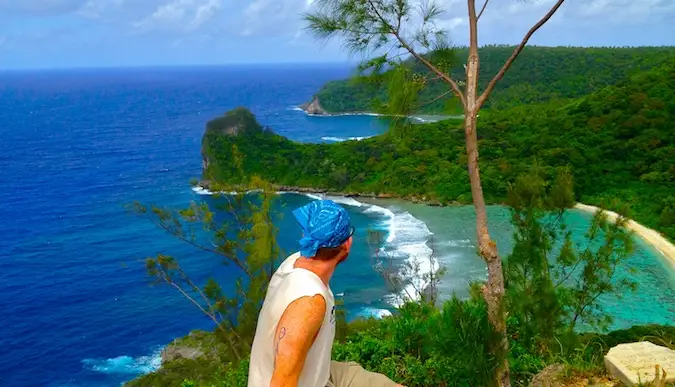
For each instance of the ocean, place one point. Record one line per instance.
(78, 145)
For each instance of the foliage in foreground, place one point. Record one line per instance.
(428, 347)
(549, 290)
(242, 235)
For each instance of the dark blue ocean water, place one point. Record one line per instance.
(75, 147)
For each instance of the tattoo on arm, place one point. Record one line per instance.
(282, 333)
(294, 335)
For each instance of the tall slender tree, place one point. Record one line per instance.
(390, 30)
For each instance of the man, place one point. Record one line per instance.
(296, 326)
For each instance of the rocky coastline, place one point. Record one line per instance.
(314, 108)
(652, 237)
(206, 185)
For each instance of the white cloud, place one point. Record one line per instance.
(205, 12)
(620, 11)
(99, 9)
(274, 17)
(271, 30)
(181, 15)
(452, 23)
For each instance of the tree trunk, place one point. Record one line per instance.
(493, 291)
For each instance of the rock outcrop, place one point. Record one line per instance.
(196, 344)
(636, 363)
(175, 352)
(314, 107)
(550, 376)
(236, 122)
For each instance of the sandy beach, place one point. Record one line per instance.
(658, 241)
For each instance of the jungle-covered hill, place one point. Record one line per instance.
(618, 141)
(539, 74)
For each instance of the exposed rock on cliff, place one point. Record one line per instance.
(314, 107)
(233, 123)
(192, 346)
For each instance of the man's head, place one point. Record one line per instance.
(326, 229)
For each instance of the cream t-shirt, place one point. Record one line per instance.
(287, 285)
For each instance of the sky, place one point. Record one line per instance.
(95, 33)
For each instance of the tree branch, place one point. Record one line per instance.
(482, 10)
(435, 99)
(419, 57)
(516, 52)
(233, 258)
(201, 308)
(569, 274)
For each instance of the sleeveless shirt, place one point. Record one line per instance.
(287, 285)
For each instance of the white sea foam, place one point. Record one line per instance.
(456, 243)
(319, 196)
(406, 241)
(314, 196)
(387, 222)
(341, 139)
(126, 364)
(201, 190)
(410, 243)
(345, 200)
(374, 312)
(339, 114)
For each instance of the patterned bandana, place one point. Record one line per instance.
(324, 224)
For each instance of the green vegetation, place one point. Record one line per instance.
(412, 345)
(540, 74)
(618, 143)
(239, 232)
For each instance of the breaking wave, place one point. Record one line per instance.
(126, 364)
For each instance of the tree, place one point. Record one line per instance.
(393, 26)
(552, 283)
(242, 234)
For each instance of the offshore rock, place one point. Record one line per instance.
(314, 108)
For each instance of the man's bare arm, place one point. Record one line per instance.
(294, 336)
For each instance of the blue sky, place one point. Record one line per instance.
(75, 33)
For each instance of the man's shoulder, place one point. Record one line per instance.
(287, 264)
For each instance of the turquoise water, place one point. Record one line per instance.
(453, 242)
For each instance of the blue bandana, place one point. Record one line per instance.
(324, 224)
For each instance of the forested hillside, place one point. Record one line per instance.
(619, 143)
(540, 74)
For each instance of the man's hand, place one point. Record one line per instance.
(294, 336)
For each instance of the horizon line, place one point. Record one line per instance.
(346, 62)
